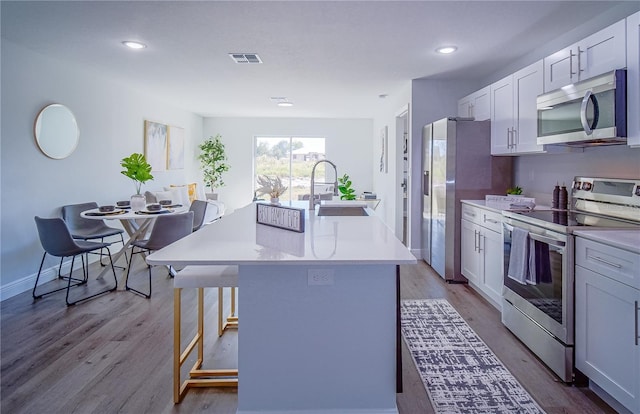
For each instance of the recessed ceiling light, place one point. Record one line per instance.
(131, 44)
(445, 50)
(285, 103)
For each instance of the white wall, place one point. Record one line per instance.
(111, 121)
(348, 144)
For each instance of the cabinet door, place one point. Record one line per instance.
(469, 256)
(492, 259)
(605, 345)
(501, 116)
(481, 109)
(464, 107)
(559, 69)
(633, 80)
(603, 51)
(527, 85)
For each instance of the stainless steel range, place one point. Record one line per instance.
(538, 292)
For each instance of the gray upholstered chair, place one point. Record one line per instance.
(199, 209)
(166, 230)
(85, 229)
(56, 241)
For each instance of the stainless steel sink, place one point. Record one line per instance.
(341, 211)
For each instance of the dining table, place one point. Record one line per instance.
(135, 223)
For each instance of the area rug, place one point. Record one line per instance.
(461, 374)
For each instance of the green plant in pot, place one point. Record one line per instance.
(344, 186)
(514, 191)
(138, 169)
(213, 162)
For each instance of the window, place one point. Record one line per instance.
(291, 159)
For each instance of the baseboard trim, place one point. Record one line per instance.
(26, 283)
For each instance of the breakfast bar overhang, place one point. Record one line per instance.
(318, 309)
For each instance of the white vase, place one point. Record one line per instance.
(275, 200)
(138, 202)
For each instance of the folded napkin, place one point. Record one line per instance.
(522, 206)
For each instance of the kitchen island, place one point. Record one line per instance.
(318, 310)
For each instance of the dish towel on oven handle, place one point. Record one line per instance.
(539, 263)
(519, 256)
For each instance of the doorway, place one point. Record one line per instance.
(402, 172)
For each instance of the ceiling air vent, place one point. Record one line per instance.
(245, 57)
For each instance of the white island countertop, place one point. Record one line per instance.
(319, 310)
(238, 239)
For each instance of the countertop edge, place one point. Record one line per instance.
(619, 241)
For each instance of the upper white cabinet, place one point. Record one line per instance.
(475, 105)
(633, 80)
(513, 112)
(599, 53)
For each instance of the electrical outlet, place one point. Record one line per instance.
(318, 277)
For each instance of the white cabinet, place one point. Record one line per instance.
(601, 52)
(514, 128)
(481, 251)
(475, 105)
(607, 310)
(633, 80)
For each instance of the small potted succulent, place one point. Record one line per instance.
(138, 169)
(271, 186)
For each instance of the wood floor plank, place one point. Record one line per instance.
(113, 354)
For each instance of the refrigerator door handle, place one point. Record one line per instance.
(425, 183)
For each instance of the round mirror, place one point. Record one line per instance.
(56, 131)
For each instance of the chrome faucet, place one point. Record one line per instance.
(312, 200)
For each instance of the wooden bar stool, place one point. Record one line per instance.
(201, 277)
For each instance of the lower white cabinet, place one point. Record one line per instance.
(481, 251)
(607, 347)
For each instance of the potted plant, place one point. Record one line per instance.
(213, 163)
(271, 186)
(345, 189)
(138, 169)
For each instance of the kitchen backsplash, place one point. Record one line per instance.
(538, 174)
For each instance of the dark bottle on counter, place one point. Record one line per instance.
(562, 205)
(555, 201)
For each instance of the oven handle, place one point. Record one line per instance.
(547, 240)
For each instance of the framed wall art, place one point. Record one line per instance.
(175, 157)
(155, 145)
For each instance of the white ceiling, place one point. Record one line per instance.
(332, 59)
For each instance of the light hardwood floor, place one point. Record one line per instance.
(113, 354)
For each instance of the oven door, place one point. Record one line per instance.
(545, 292)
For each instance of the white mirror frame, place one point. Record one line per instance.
(56, 131)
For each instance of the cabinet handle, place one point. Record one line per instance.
(516, 137)
(579, 60)
(466, 213)
(479, 243)
(571, 72)
(599, 259)
(475, 240)
(489, 220)
(637, 329)
(508, 137)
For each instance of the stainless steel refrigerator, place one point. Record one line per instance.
(456, 165)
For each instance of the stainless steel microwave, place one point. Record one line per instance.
(590, 112)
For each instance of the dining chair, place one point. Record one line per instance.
(199, 208)
(57, 241)
(166, 230)
(85, 229)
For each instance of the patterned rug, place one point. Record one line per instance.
(461, 374)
